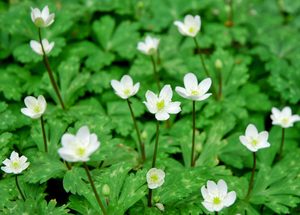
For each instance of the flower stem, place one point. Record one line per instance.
(44, 134)
(153, 162)
(50, 72)
(281, 146)
(137, 132)
(94, 189)
(68, 165)
(156, 143)
(220, 84)
(193, 140)
(158, 57)
(231, 13)
(19, 188)
(216, 213)
(155, 72)
(252, 177)
(204, 66)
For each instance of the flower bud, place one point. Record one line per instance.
(198, 147)
(144, 135)
(227, 9)
(160, 207)
(156, 198)
(140, 5)
(105, 190)
(218, 64)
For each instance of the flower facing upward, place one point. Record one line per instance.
(35, 107)
(216, 196)
(161, 106)
(155, 178)
(190, 26)
(37, 48)
(254, 140)
(15, 164)
(79, 147)
(125, 88)
(192, 90)
(284, 118)
(42, 19)
(149, 47)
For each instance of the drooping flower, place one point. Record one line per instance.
(79, 147)
(125, 88)
(216, 196)
(161, 106)
(284, 118)
(155, 178)
(37, 48)
(254, 140)
(190, 26)
(35, 107)
(42, 19)
(192, 90)
(150, 46)
(15, 164)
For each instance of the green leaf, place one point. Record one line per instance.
(72, 181)
(43, 167)
(8, 119)
(81, 205)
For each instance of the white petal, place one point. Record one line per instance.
(181, 27)
(189, 20)
(218, 207)
(160, 173)
(29, 101)
(182, 92)
(50, 47)
(66, 154)
(162, 115)
(190, 80)
(204, 192)
(23, 159)
(118, 87)
(295, 118)
(287, 111)
(45, 13)
(36, 47)
(208, 206)
(148, 40)
(174, 107)
(166, 93)
(126, 80)
(67, 140)
(151, 97)
(251, 131)
(222, 186)
(276, 112)
(92, 148)
(83, 134)
(201, 98)
(263, 136)
(14, 155)
(35, 13)
(49, 20)
(152, 109)
(142, 47)
(136, 88)
(198, 22)
(229, 199)
(27, 112)
(205, 85)
(264, 145)
(211, 188)
(244, 140)
(7, 162)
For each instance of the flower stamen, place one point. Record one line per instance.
(160, 105)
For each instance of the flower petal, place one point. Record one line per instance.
(50, 20)
(45, 12)
(205, 85)
(190, 81)
(251, 131)
(126, 80)
(212, 188)
(230, 198)
(166, 93)
(181, 27)
(174, 107)
(136, 88)
(67, 140)
(83, 134)
(27, 112)
(151, 97)
(263, 136)
(14, 155)
(116, 85)
(29, 101)
(204, 192)
(205, 96)
(182, 92)
(152, 109)
(275, 112)
(208, 206)
(222, 186)
(162, 115)
(286, 111)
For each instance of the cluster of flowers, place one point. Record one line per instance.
(79, 147)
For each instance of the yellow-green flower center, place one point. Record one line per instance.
(80, 151)
(192, 30)
(284, 121)
(216, 200)
(15, 165)
(154, 177)
(254, 142)
(195, 92)
(36, 108)
(127, 91)
(160, 105)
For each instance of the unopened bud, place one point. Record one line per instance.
(218, 64)
(227, 8)
(144, 135)
(140, 5)
(198, 147)
(105, 190)
(160, 207)
(156, 198)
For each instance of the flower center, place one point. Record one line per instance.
(160, 105)
(15, 165)
(284, 121)
(216, 200)
(36, 108)
(127, 91)
(154, 177)
(191, 30)
(151, 51)
(195, 92)
(254, 142)
(80, 151)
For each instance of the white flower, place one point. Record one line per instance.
(162, 105)
(42, 19)
(192, 90)
(125, 88)
(149, 47)
(15, 164)
(35, 107)
(190, 27)
(79, 147)
(155, 178)
(284, 118)
(37, 48)
(254, 140)
(160, 207)
(216, 196)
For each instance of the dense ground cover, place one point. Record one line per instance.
(95, 42)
